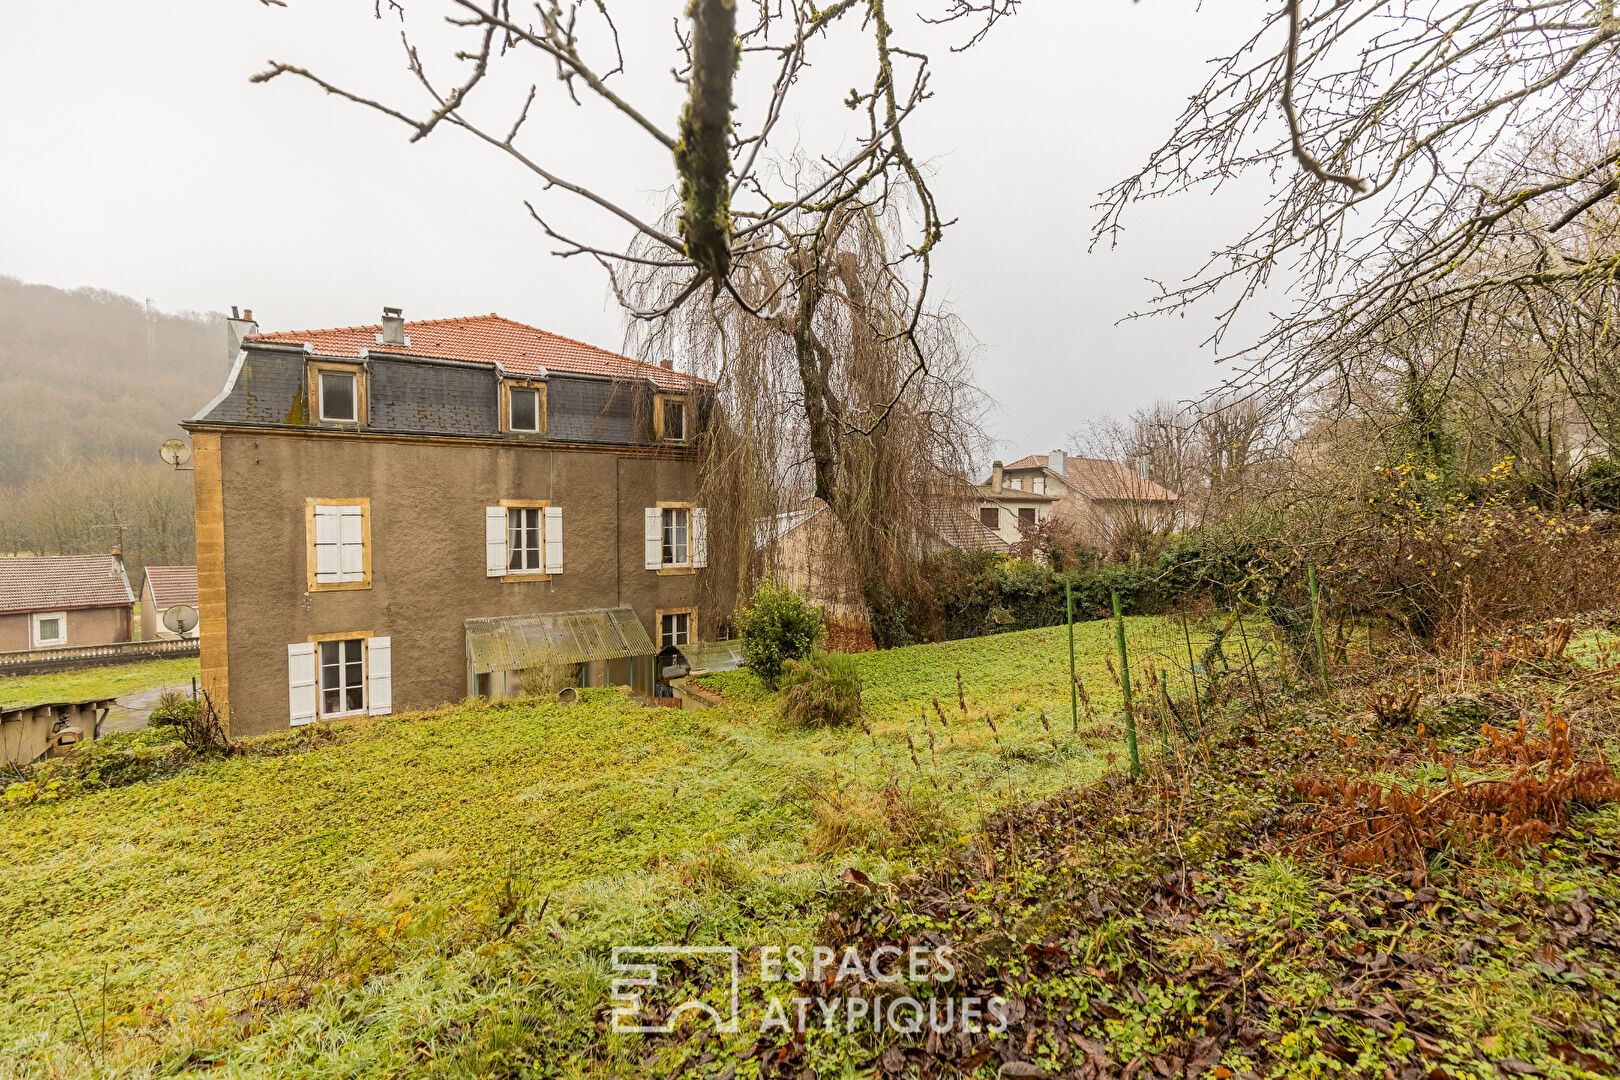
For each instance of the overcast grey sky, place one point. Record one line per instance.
(138, 158)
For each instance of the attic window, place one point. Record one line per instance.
(525, 410)
(675, 420)
(338, 397)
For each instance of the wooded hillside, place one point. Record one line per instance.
(90, 385)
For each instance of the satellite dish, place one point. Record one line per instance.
(180, 619)
(175, 452)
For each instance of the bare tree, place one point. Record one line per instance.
(800, 281)
(1407, 135)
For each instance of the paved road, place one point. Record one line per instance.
(132, 710)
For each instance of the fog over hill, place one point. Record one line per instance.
(90, 384)
(89, 375)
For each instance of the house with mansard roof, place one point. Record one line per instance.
(377, 505)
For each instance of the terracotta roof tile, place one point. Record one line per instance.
(519, 349)
(62, 583)
(172, 585)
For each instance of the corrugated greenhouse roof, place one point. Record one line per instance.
(516, 642)
(713, 655)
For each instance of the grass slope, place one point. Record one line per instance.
(83, 683)
(152, 901)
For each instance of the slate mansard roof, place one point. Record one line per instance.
(445, 380)
(62, 583)
(518, 349)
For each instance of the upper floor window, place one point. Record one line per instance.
(523, 407)
(339, 543)
(337, 397)
(1040, 485)
(1016, 483)
(525, 550)
(670, 422)
(338, 391)
(677, 537)
(675, 420)
(523, 412)
(990, 517)
(1026, 517)
(677, 533)
(523, 539)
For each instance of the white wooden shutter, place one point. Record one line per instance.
(303, 693)
(351, 543)
(654, 537)
(553, 539)
(495, 541)
(328, 534)
(700, 536)
(379, 675)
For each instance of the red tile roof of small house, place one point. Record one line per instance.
(172, 585)
(519, 349)
(1099, 478)
(62, 583)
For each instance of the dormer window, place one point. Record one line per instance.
(670, 422)
(523, 410)
(523, 407)
(337, 397)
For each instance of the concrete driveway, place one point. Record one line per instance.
(132, 711)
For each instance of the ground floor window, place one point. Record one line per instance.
(675, 629)
(343, 683)
(50, 628)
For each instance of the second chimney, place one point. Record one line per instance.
(237, 327)
(1058, 462)
(995, 477)
(393, 327)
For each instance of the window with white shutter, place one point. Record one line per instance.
(339, 543)
(303, 693)
(653, 538)
(523, 540)
(379, 675)
(495, 541)
(554, 540)
(700, 536)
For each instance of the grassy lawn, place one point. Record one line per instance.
(82, 683)
(383, 862)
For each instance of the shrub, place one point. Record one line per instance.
(778, 626)
(173, 710)
(821, 690)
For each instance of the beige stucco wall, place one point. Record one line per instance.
(90, 626)
(427, 553)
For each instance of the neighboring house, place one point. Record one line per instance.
(370, 498)
(52, 601)
(1013, 511)
(166, 587)
(1099, 498)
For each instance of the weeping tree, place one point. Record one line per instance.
(763, 269)
(814, 354)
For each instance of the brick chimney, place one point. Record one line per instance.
(995, 477)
